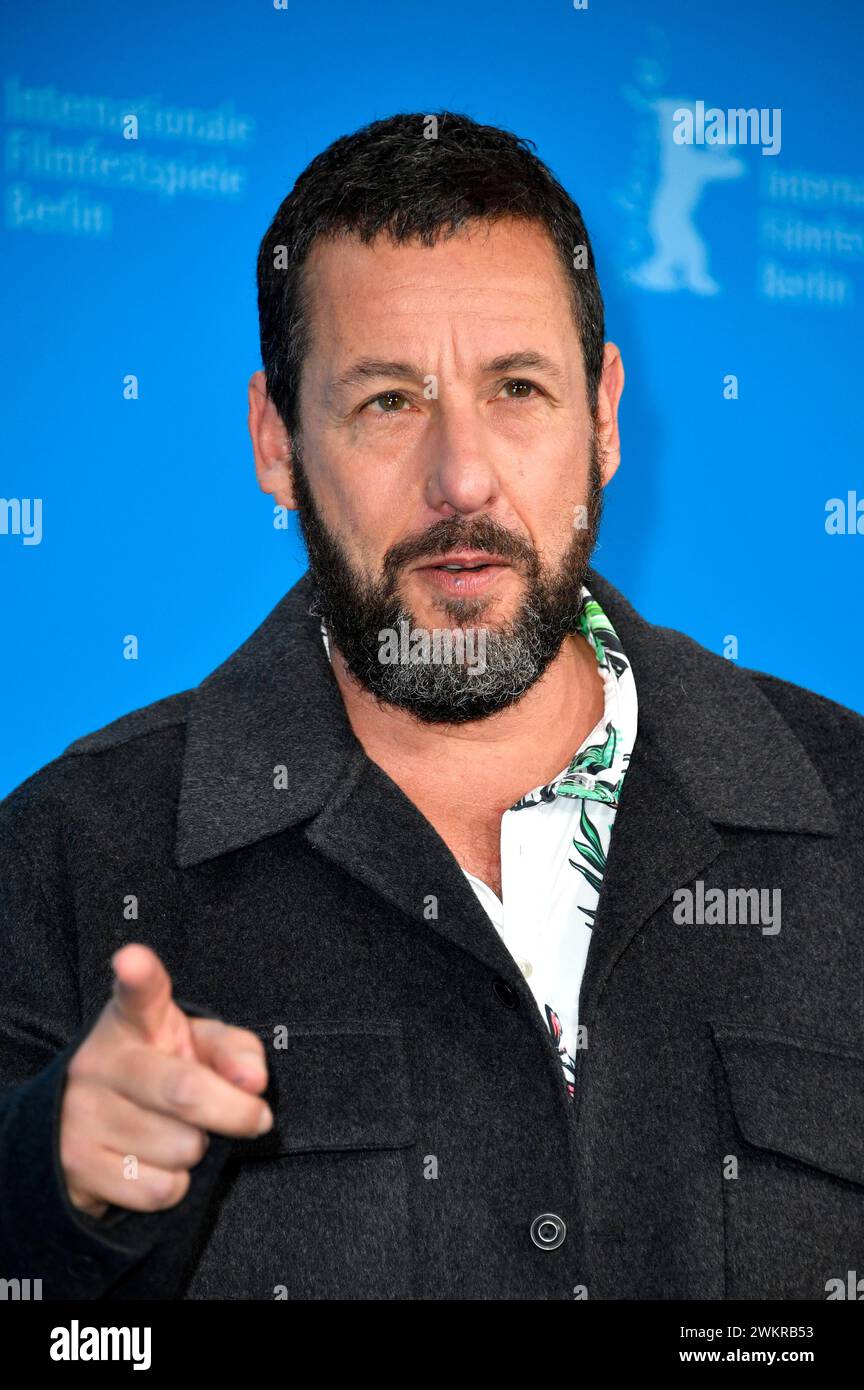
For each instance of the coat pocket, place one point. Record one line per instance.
(791, 1115)
(334, 1085)
(320, 1207)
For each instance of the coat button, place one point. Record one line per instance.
(505, 994)
(548, 1231)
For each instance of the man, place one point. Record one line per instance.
(471, 937)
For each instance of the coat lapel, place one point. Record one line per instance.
(659, 842)
(375, 833)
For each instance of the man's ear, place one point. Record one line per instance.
(608, 396)
(271, 444)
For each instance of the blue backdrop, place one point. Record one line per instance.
(733, 279)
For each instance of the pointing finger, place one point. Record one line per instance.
(142, 989)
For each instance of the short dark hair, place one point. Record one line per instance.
(390, 177)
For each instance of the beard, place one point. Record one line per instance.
(357, 612)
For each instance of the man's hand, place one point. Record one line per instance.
(145, 1086)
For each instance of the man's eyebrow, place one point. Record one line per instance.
(374, 368)
(525, 361)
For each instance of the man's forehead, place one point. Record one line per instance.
(517, 249)
(500, 272)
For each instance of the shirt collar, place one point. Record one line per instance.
(596, 770)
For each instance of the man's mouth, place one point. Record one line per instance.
(461, 561)
(463, 572)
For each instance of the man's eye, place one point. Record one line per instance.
(519, 390)
(388, 403)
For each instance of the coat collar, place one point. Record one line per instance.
(720, 737)
(274, 704)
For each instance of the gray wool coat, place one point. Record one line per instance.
(715, 1147)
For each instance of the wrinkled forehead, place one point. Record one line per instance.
(508, 270)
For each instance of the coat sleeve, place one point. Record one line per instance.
(123, 1255)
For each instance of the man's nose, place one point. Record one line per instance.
(461, 474)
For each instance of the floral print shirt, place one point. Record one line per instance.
(554, 845)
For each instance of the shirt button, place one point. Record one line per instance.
(505, 994)
(526, 967)
(548, 1231)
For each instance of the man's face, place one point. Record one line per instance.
(449, 471)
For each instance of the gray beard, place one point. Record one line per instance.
(480, 669)
(373, 630)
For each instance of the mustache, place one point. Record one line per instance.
(452, 533)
